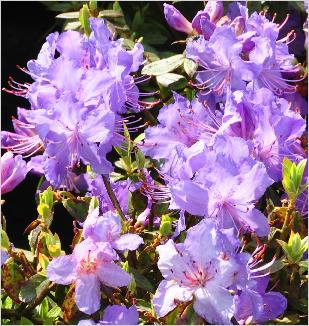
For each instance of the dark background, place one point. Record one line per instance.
(25, 26)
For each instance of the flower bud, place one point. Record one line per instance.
(215, 10)
(13, 171)
(176, 20)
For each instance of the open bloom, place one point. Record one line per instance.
(89, 265)
(13, 171)
(107, 228)
(256, 304)
(201, 269)
(272, 128)
(219, 58)
(252, 302)
(227, 179)
(182, 124)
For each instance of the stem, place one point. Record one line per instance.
(151, 218)
(112, 197)
(150, 118)
(40, 297)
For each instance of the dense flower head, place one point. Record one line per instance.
(197, 174)
(202, 219)
(81, 86)
(268, 122)
(241, 49)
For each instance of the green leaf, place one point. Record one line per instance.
(42, 309)
(172, 81)
(32, 287)
(163, 66)
(140, 158)
(53, 244)
(45, 207)
(93, 5)
(44, 261)
(172, 317)
(8, 303)
(78, 208)
(94, 203)
(72, 25)
(5, 242)
(54, 313)
(166, 225)
(190, 67)
(84, 16)
(141, 281)
(292, 177)
(69, 15)
(25, 321)
(110, 14)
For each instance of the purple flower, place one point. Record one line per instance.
(13, 171)
(120, 315)
(25, 140)
(199, 174)
(90, 264)
(71, 134)
(215, 10)
(257, 305)
(76, 99)
(202, 269)
(116, 315)
(176, 20)
(107, 228)
(220, 60)
(268, 122)
(182, 124)
(252, 302)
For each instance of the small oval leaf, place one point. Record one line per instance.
(163, 66)
(172, 81)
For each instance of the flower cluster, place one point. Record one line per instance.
(199, 218)
(80, 88)
(93, 260)
(205, 269)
